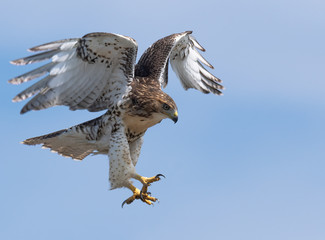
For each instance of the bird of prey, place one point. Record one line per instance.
(99, 72)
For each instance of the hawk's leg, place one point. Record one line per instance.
(146, 182)
(138, 195)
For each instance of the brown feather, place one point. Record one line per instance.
(146, 97)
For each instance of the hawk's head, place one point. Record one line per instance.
(147, 99)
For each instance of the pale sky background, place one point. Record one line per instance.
(249, 165)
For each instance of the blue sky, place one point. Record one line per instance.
(247, 165)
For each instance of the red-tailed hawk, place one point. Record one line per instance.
(98, 72)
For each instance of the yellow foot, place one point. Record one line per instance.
(146, 182)
(145, 197)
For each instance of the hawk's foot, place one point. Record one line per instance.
(147, 181)
(137, 194)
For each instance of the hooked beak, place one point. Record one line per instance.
(175, 117)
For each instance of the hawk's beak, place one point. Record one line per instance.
(175, 117)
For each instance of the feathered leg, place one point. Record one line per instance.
(122, 166)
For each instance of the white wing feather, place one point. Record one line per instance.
(181, 50)
(186, 62)
(92, 72)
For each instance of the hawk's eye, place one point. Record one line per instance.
(166, 106)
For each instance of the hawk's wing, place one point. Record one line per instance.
(182, 51)
(91, 72)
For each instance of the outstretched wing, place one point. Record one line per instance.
(186, 61)
(92, 72)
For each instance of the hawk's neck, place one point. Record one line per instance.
(139, 124)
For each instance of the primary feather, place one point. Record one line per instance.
(83, 72)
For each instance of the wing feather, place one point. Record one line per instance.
(181, 50)
(36, 73)
(37, 87)
(35, 58)
(196, 43)
(187, 62)
(92, 72)
(62, 44)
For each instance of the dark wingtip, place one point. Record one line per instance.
(23, 111)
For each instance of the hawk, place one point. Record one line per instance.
(99, 72)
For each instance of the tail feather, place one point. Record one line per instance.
(76, 142)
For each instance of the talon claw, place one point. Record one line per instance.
(143, 194)
(160, 175)
(141, 197)
(123, 203)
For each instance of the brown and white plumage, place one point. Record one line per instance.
(78, 141)
(98, 72)
(181, 50)
(83, 73)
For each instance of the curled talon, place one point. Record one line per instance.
(145, 196)
(123, 203)
(159, 175)
(141, 196)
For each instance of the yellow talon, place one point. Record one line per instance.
(144, 195)
(137, 194)
(147, 181)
